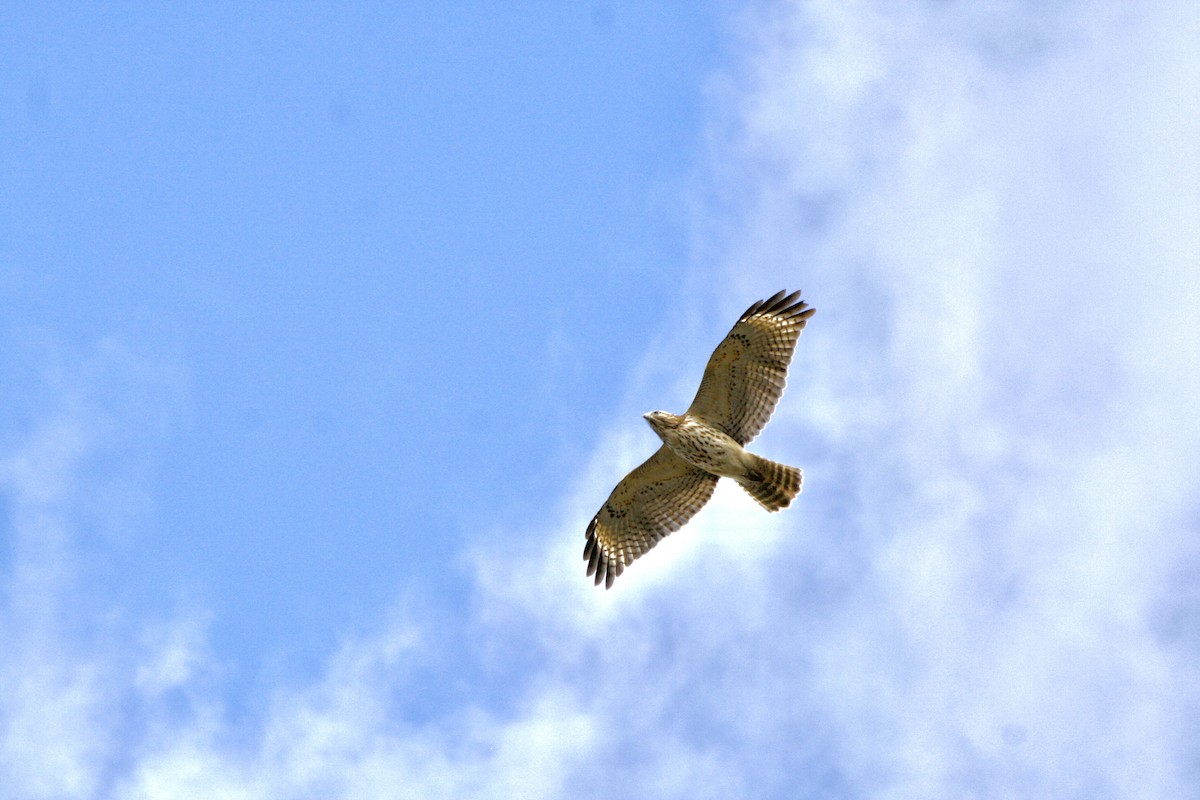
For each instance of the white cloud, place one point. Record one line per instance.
(1036, 435)
(52, 738)
(980, 593)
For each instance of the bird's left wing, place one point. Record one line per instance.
(650, 502)
(746, 374)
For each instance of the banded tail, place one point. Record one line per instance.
(773, 485)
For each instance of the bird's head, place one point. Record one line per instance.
(661, 420)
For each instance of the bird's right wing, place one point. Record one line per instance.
(650, 502)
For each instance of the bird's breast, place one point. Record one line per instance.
(706, 448)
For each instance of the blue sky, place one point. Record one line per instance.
(333, 242)
(325, 331)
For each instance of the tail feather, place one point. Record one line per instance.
(773, 485)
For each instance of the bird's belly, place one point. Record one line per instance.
(709, 450)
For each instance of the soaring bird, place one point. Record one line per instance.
(742, 384)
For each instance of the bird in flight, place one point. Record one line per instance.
(742, 384)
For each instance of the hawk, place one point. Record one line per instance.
(742, 384)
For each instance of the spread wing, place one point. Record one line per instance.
(746, 374)
(655, 499)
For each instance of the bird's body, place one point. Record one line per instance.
(700, 444)
(742, 383)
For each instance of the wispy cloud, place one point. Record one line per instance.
(1019, 444)
(985, 589)
(52, 691)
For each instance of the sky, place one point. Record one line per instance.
(325, 331)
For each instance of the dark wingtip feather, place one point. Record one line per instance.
(751, 311)
(600, 564)
(773, 299)
(780, 301)
(762, 306)
(792, 308)
(780, 304)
